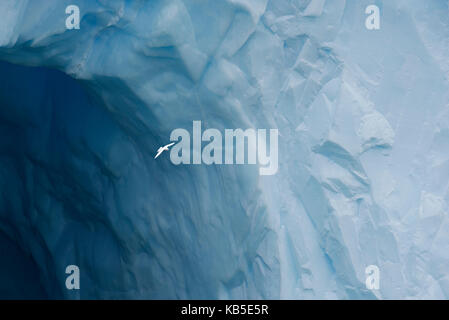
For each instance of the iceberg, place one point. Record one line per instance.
(363, 152)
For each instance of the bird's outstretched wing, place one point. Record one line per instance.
(162, 149)
(159, 151)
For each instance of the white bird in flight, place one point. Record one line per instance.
(162, 149)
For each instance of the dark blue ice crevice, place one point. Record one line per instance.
(50, 205)
(82, 187)
(19, 273)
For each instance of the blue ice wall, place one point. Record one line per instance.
(363, 148)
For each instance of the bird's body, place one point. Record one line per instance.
(162, 149)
